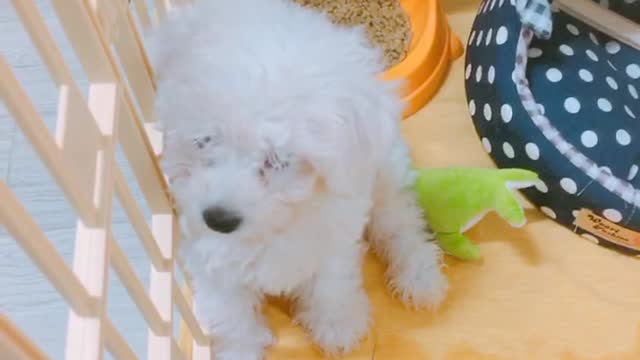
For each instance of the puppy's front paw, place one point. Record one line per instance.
(419, 280)
(338, 328)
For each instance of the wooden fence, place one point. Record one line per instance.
(106, 38)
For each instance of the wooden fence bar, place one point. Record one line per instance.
(185, 309)
(77, 20)
(35, 243)
(41, 37)
(116, 344)
(137, 290)
(143, 13)
(139, 223)
(15, 345)
(34, 128)
(113, 19)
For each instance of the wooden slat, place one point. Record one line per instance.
(136, 289)
(143, 13)
(113, 17)
(196, 350)
(176, 352)
(188, 316)
(14, 345)
(141, 45)
(161, 10)
(35, 243)
(139, 223)
(76, 19)
(78, 25)
(164, 231)
(41, 37)
(116, 344)
(77, 135)
(34, 128)
(146, 169)
(84, 333)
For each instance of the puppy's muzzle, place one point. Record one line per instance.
(221, 220)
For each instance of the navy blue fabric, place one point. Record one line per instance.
(555, 75)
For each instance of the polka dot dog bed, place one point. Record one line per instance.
(561, 98)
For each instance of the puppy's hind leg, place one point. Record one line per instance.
(398, 233)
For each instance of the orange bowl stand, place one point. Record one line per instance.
(433, 47)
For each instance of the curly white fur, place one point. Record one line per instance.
(275, 115)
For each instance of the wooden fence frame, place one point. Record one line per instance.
(81, 158)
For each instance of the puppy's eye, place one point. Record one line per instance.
(202, 141)
(275, 162)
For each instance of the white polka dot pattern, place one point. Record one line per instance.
(568, 185)
(486, 144)
(487, 112)
(589, 139)
(554, 75)
(633, 171)
(633, 70)
(585, 75)
(532, 150)
(612, 47)
(487, 39)
(572, 105)
(604, 105)
(547, 211)
(542, 187)
(534, 53)
(506, 112)
(502, 35)
(590, 238)
(622, 137)
(573, 29)
(508, 150)
(566, 49)
(612, 215)
(491, 74)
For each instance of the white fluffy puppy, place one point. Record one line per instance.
(282, 146)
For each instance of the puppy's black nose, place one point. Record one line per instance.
(221, 220)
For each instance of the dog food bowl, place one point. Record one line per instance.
(433, 47)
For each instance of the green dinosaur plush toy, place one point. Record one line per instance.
(455, 199)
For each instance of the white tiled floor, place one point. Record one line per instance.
(25, 295)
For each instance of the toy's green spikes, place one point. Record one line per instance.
(455, 199)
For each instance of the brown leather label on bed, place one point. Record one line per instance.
(606, 229)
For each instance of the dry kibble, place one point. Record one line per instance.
(386, 22)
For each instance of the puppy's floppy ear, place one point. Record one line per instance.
(324, 148)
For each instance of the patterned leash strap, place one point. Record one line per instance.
(536, 16)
